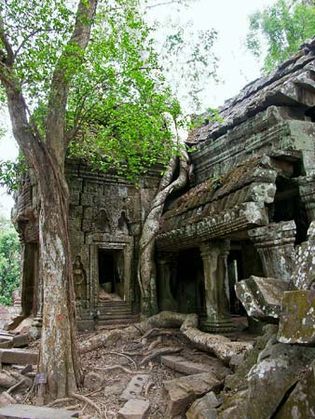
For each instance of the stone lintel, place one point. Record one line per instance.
(219, 225)
(274, 235)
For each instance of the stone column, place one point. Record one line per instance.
(275, 246)
(166, 262)
(214, 257)
(307, 187)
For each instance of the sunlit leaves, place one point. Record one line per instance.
(9, 261)
(284, 26)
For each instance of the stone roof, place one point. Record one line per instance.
(279, 88)
(222, 204)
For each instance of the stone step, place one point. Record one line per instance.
(182, 365)
(123, 321)
(18, 356)
(114, 313)
(23, 411)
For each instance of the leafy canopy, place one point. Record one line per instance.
(118, 95)
(283, 27)
(9, 261)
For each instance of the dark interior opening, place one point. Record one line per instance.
(30, 279)
(235, 274)
(110, 270)
(310, 113)
(288, 206)
(188, 286)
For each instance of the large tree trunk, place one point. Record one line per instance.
(146, 266)
(58, 359)
(46, 155)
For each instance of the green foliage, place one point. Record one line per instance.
(118, 93)
(9, 262)
(211, 115)
(10, 173)
(283, 27)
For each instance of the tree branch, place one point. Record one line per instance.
(62, 76)
(9, 59)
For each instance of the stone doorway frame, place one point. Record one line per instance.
(127, 250)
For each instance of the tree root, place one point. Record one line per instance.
(124, 356)
(221, 346)
(159, 352)
(89, 402)
(118, 367)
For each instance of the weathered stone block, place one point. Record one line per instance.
(183, 391)
(301, 402)
(180, 364)
(204, 408)
(297, 321)
(261, 297)
(18, 356)
(135, 387)
(23, 411)
(135, 409)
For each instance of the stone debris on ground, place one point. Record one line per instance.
(18, 356)
(135, 409)
(204, 408)
(135, 387)
(181, 392)
(22, 411)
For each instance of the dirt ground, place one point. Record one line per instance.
(107, 372)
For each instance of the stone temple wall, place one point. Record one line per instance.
(106, 216)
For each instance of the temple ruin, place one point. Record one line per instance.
(244, 215)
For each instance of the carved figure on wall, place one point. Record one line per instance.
(101, 222)
(123, 223)
(79, 277)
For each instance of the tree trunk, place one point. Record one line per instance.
(61, 371)
(146, 266)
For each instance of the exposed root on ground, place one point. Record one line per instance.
(222, 347)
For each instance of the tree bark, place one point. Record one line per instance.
(58, 356)
(59, 363)
(146, 265)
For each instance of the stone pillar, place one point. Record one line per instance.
(275, 246)
(166, 263)
(307, 187)
(214, 257)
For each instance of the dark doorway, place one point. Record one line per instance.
(30, 302)
(235, 273)
(110, 271)
(188, 287)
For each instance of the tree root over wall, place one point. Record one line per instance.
(221, 346)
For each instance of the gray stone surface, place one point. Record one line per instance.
(135, 387)
(278, 368)
(22, 411)
(301, 402)
(181, 392)
(297, 320)
(135, 409)
(204, 408)
(182, 365)
(275, 245)
(304, 275)
(261, 297)
(18, 356)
